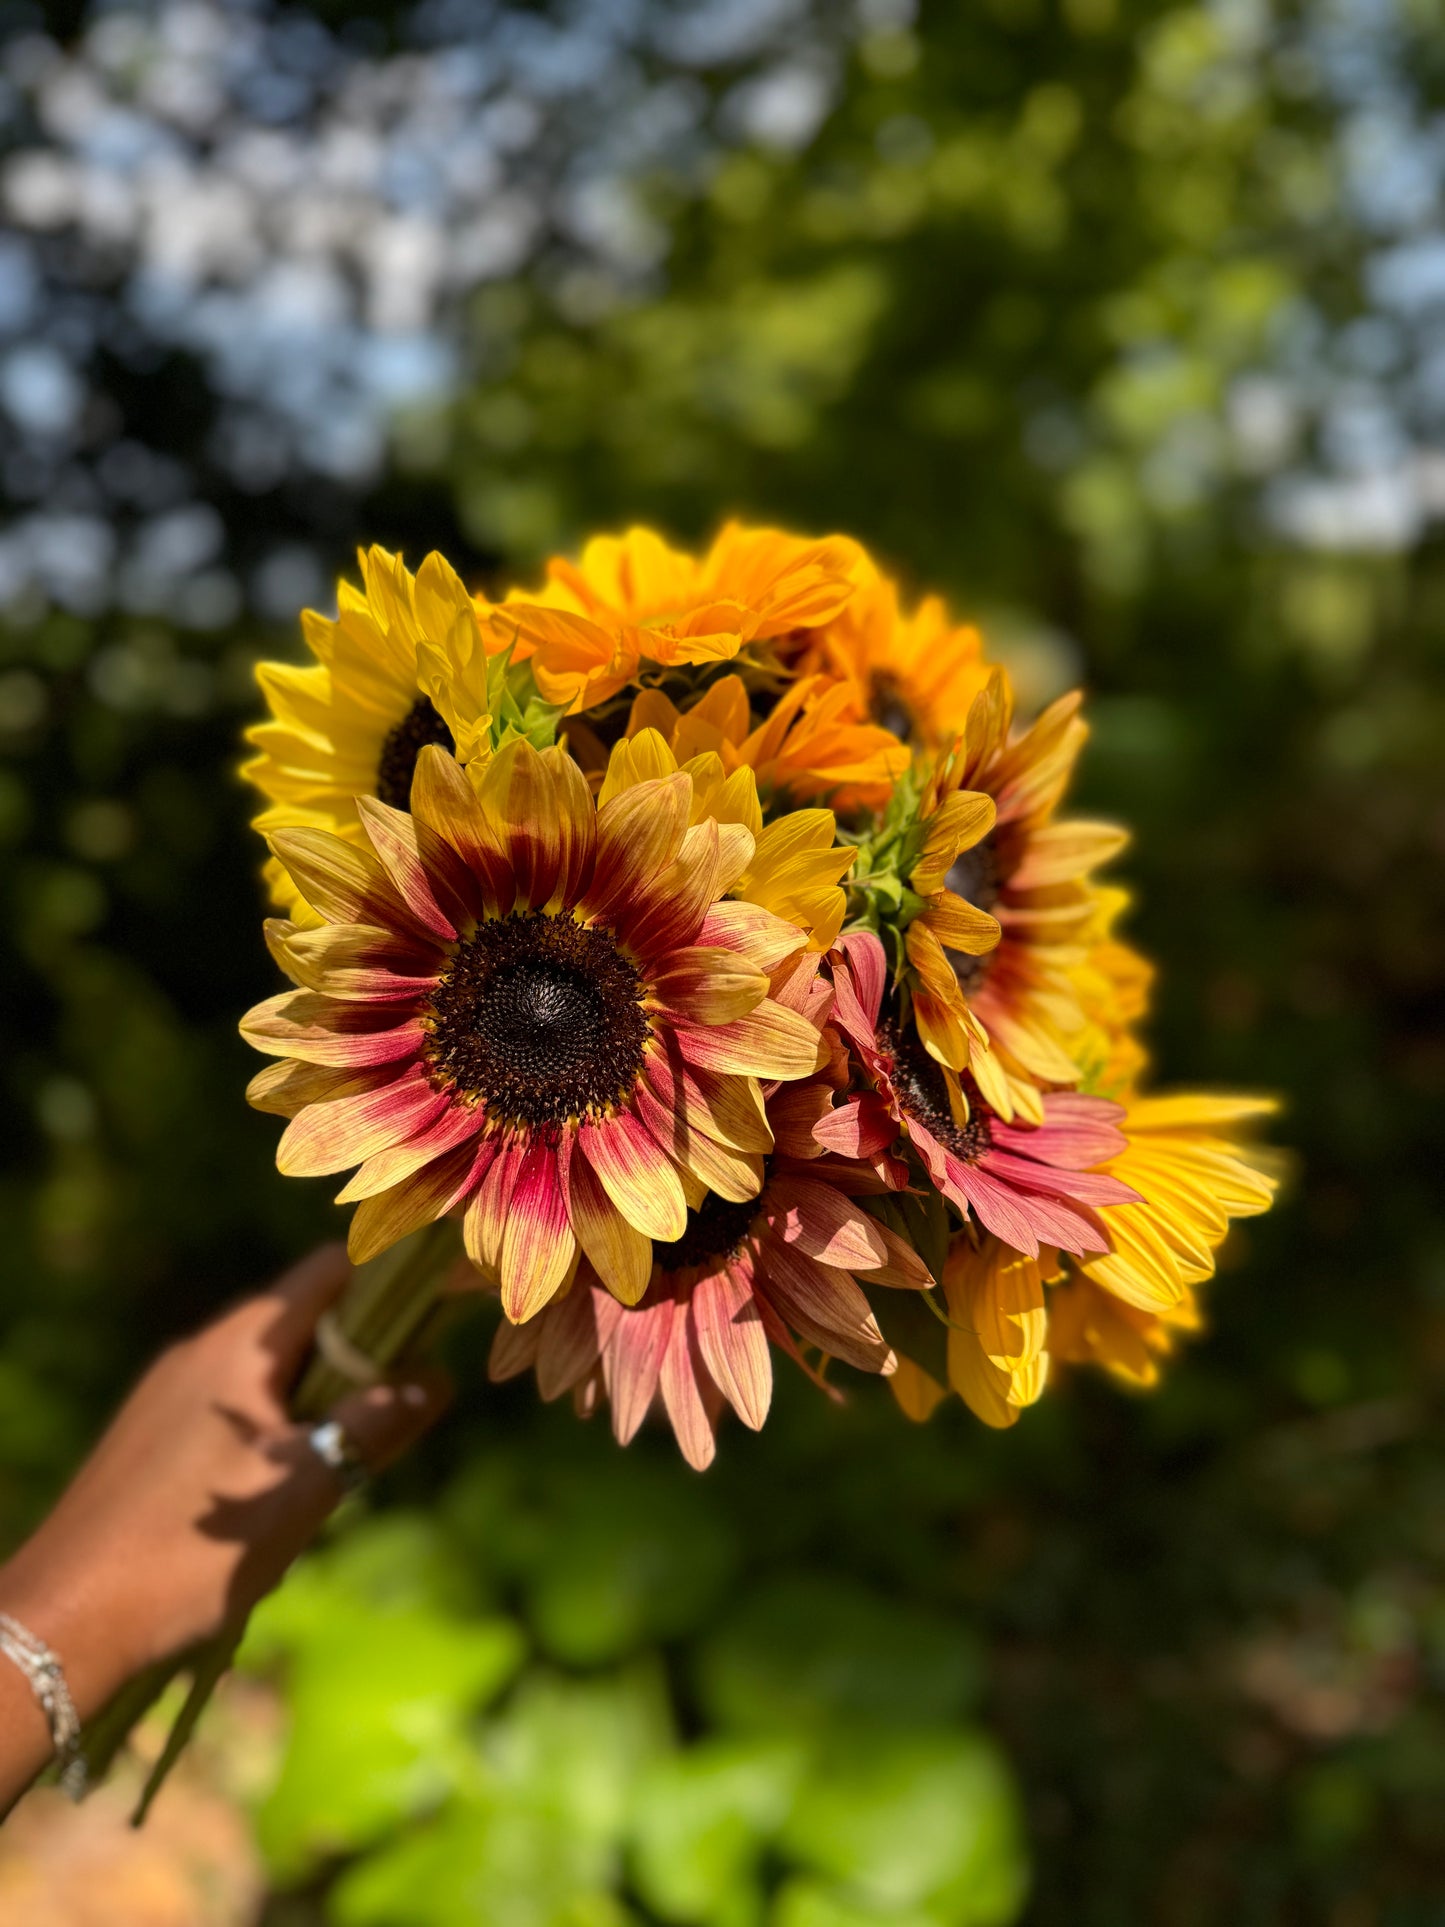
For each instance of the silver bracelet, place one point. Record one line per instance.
(46, 1678)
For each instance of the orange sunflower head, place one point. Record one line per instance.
(532, 1010)
(631, 602)
(916, 675)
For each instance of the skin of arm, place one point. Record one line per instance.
(195, 1501)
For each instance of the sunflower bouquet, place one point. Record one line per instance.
(690, 952)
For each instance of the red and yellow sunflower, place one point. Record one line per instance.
(510, 1002)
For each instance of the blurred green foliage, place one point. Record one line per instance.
(1190, 1648)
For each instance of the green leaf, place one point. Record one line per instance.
(380, 1701)
(702, 1820)
(901, 1821)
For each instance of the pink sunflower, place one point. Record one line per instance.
(785, 1268)
(1030, 1185)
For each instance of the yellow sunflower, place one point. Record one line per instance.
(538, 1012)
(402, 665)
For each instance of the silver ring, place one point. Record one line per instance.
(329, 1442)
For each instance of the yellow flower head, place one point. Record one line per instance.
(402, 665)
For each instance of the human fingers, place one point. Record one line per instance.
(283, 1317)
(377, 1425)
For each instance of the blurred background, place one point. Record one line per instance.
(1122, 322)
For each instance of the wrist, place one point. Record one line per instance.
(70, 1613)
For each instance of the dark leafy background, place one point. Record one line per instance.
(1118, 323)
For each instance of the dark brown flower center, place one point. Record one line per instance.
(541, 1018)
(923, 1094)
(714, 1231)
(976, 876)
(402, 745)
(891, 707)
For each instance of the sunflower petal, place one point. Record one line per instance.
(537, 1240)
(637, 1174)
(734, 1345)
(633, 1364)
(681, 1383)
(618, 1252)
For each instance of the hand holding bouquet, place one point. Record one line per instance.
(698, 941)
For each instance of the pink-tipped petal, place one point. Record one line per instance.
(637, 1175)
(824, 1224)
(822, 1304)
(633, 1362)
(681, 1380)
(618, 1252)
(537, 1240)
(333, 1137)
(733, 1343)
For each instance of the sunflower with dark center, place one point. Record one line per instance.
(785, 1269)
(536, 1012)
(1031, 1185)
(402, 744)
(1011, 1012)
(401, 665)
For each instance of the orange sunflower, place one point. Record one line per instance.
(917, 675)
(631, 600)
(510, 1003)
(808, 747)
